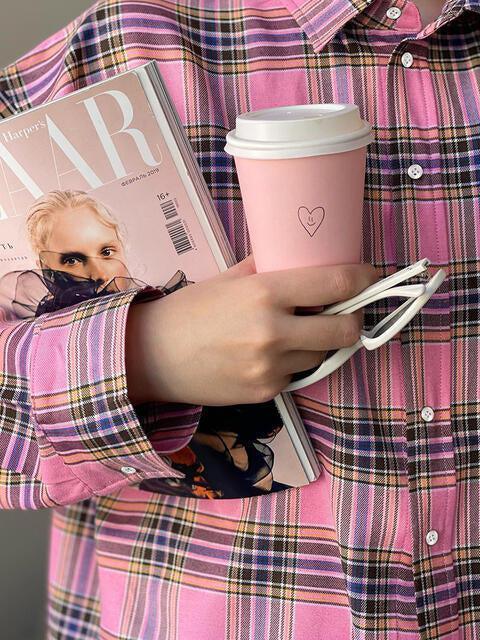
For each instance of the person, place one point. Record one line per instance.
(74, 220)
(228, 455)
(385, 543)
(81, 252)
(79, 248)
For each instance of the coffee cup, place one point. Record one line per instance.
(301, 172)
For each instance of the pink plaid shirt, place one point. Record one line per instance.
(386, 544)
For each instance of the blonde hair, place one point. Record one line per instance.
(39, 222)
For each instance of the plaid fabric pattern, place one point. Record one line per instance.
(347, 556)
(68, 427)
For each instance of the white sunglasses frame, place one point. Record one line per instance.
(417, 294)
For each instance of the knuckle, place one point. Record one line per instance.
(266, 392)
(261, 384)
(344, 283)
(258, 373)
(267, 335)
(262, 294)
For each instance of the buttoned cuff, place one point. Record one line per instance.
(80, 403)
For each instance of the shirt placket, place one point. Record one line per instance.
(421, 230)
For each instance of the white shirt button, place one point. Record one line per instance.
(407, 59)
(128, 470)
(427, 414)
(415, 171)
(394, 13)
(432, 537)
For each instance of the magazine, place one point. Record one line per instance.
(100, 191)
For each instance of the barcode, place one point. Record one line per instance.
(179, 236)
(169, 209)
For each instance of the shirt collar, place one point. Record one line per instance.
(322, 19)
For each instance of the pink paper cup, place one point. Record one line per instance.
(301, 171)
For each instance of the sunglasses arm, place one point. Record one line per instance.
(399, 318)
(417, 295)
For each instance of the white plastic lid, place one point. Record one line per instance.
(297, 131)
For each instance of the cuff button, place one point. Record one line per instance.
(128, 470)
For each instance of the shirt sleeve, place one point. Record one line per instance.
(68, 429)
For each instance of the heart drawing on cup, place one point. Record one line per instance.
(311, 220)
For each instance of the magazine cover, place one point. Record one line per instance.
(93, 200)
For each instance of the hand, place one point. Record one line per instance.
(235, 338)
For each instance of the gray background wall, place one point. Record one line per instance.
(27, 23)
(24, 534)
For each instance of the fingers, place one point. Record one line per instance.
(295, 361)
(317, 286)
(321, 333)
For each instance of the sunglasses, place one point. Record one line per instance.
(417, 294)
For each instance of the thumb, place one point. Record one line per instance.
(245, 267)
